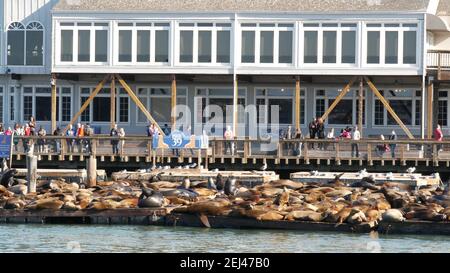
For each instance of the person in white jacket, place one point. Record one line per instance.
(356, 136)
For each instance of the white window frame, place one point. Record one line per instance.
(25, 30)
(448, 103)
(276, 42)
(354, 98)
(149, 96)
(266, 97)
(383, 29)
(108, 95)
(4, 95)
(75, 28)
(320, 29)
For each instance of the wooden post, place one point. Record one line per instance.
(297, 103)
(235, 104)
(338, 99)
(53, 102)
(31, 171)
(199, 154)
(430, 97)
(113, 102)
(389, 108)
(361, 106)
(174, 103)
(91, 171)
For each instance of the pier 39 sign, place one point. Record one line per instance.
(5, 146)
(176, 140)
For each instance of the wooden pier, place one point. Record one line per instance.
(77, 176)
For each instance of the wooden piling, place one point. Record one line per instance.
(31, 172)
(91, 171)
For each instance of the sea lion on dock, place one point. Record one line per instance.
(48, 203)
(7, 178)
(308, 216)
(5, 192)
(230, 186)
(356, 217)
(392, 216)
(282, 199)
(14, 203)
(19, 189)
(211, 184)
(180, 193)
(220, 182)
(186, 184)
(218, 207)
(286, 184)
(150, 199)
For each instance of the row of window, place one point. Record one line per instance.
(25, 45)
(263, 43)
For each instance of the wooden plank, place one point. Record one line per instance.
(53, 103)
(297, 103)
(338, 99)
(138, 102)
(174, 102)
(88, 101)
(113, 102)
(389, 108)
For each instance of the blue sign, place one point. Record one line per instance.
(176, 140)
(5, 146)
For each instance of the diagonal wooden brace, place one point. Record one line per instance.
(339, 98)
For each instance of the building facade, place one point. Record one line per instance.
(225, 53)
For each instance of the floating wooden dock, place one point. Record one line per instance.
(414, 180)
(77, 176)
(245, 178)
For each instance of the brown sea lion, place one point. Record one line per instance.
(49, 203)
(309, 216)
(282, 200)
(356, 217)
(19, 189)
(338, 193)
(71, 206)
(392, 216)
(14, 203)
(286, 184)
(270, 216)
(216, 207)
(5, 192)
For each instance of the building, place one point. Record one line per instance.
(295, 54)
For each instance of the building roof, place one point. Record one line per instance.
(443, 8)
(296, 6)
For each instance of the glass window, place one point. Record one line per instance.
(285, 110)
(223, 46)
(125, 45)
(66, 108)
(84, 45)
(342, 113)
(373, 47)
(285, 47)
(204, 46)
(248, 47)
(418, 111)
(443, 113)
(101, 109)
(266, 47)
(43, 108)
(403, 108)
(101, 46)
(409, 47)
(329, 46)
(391, 47)
(67, 45)
(27, 107)
(310, 47)
(85, 116)
(12, 104)
(160, 109)
(320, 107)
(143, 46)
(35, 47)
(186, 46)
(16, 40)
(348, 47)
(162, 46)
(123, 109)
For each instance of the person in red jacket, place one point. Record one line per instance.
(438, 136)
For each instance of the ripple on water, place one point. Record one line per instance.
(64, 238)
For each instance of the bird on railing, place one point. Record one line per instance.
(193, 165)
(314, 173)
(363, 173)
(411, 170)
(389, 176)
(215, 171)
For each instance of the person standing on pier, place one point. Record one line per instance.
(439, 137)
(320, 132)
(229, 136)
(56, 142)
(80, 135)
(312, 131)
(114, 141)
(70, 142)
(32, 125)
(122, 138)
(27, 142)
(356, 136)
(393, 146)
(18, 132)
(330, 137)
(88, 132)
(298, 144)
(41, 141)
(288, 136)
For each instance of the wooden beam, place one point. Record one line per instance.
(53, 103)
(430, 97)
(361, 106)
(98, 88)
(388, 108)
(138, 102)
(339, 98)
(113, 102)
(297, 104)
(174, 103)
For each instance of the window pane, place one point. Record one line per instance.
(123, 109)
(320, 107)
(160, 109)
(418, 112)
(27, 107)
(329, 46)
(248, 47)
(391, 47)
(403, 108)
(373, 47)
(204, 46)
(66, 45)
(162, 46)
(101, 46)
(143, 46)
(43, 108)
(285, 47)
(35, 40)
(223, 46)
(102, 109)
(285, 108)
(141, 116)
(342, 114)
(443, 113)
(86, 115)
(409, 47)
(16, 40)
(348, 47)
(84, 47)
(379, 113)
(266, 49)
(125, 45)
(310, 47)
(186, 46)
(66, 109)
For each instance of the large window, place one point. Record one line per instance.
(406, 104)
(2, 95)
(391, 43)
(158, 100)
(25, 45)
(204, 43)
(443, 108)
(267, 43)
(37, 102)
(125, 45)
(83, 42)
(99, 109)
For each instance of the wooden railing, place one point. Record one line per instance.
(438, 60)
(240, 150)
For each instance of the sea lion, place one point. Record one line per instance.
(150, 199)
(356, 217)
(392, 216)
(338, 193)
(270, 216)
(211, 184)
(282, 199)
(180, 193)
(309, 216)
(218, 207)
(230, 186)
(7, 178)
(19, 189)
(48, 203)
(5, 192)
(286, 184)
(14, 203)
(186, 184)
(71, 206)
(205, 192)
(365, 185)
(395, 199)
(220, 182)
